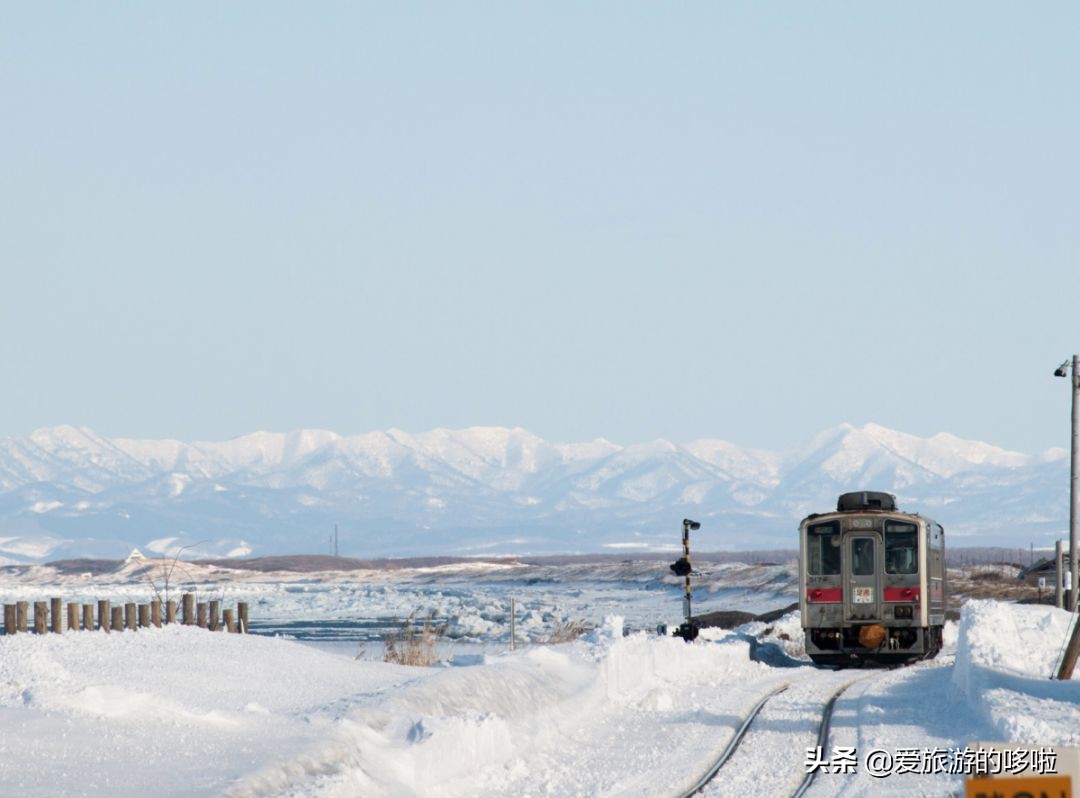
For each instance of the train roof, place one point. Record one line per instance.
(864, 502)
(844, 513)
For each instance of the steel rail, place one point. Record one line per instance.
(823, 735)
(733, 744)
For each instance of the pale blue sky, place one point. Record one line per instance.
(631, 220)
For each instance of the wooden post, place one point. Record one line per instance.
(200, 614)
(88, 617)
(189, 606)
(103, 615)
(73, 616)
(20, 615)
(117, 623)
(56, 614)
(129, 615)
(215, 615)
(41, 617)
(170, 611)
(242, 617)
(155, 613)
(229, 625)
(144, 616)
(513, 635)
(9, 619)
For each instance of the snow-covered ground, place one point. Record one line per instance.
(181, 711)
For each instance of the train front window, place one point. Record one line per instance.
(862, 556)
(901, 548)
(823, 549)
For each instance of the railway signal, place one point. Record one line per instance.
(688, 630)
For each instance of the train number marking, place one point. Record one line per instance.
(863, 595)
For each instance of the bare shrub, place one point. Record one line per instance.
(414, 644)
(566, 631)
(166, 569)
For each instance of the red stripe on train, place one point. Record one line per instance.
(820, 595)
(901, 594)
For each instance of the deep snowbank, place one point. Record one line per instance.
(188, 712)
(180, 709)
(1005, 656)
(474, 730)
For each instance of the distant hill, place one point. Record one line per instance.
(66, 492)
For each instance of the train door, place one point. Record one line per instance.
(862, 599)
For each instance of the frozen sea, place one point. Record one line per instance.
(473, 600)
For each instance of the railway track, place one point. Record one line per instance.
(746, 730)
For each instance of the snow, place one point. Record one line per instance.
(1005, 656)
(185, 712)
(182, 709)
(177, 484)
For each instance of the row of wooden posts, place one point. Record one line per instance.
(49, 616)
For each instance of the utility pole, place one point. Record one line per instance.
(335, 541)
(1074, 474)
(1072, 650)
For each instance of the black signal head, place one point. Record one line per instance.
(681, 567)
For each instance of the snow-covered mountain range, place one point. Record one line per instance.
(66, 492)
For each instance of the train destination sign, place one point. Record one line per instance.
(863, 595)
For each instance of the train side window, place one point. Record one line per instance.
(823, 549)
(901, 549)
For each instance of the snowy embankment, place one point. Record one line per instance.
(181, 711)
(196, 713)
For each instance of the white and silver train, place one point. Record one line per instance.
(871, 582)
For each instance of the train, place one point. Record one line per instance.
(872, 583)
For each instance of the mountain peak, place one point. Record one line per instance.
(64, 435)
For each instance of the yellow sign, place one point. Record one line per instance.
(1020, 787)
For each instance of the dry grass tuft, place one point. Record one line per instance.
(413, 644)
(987, 575)
(567, 631)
